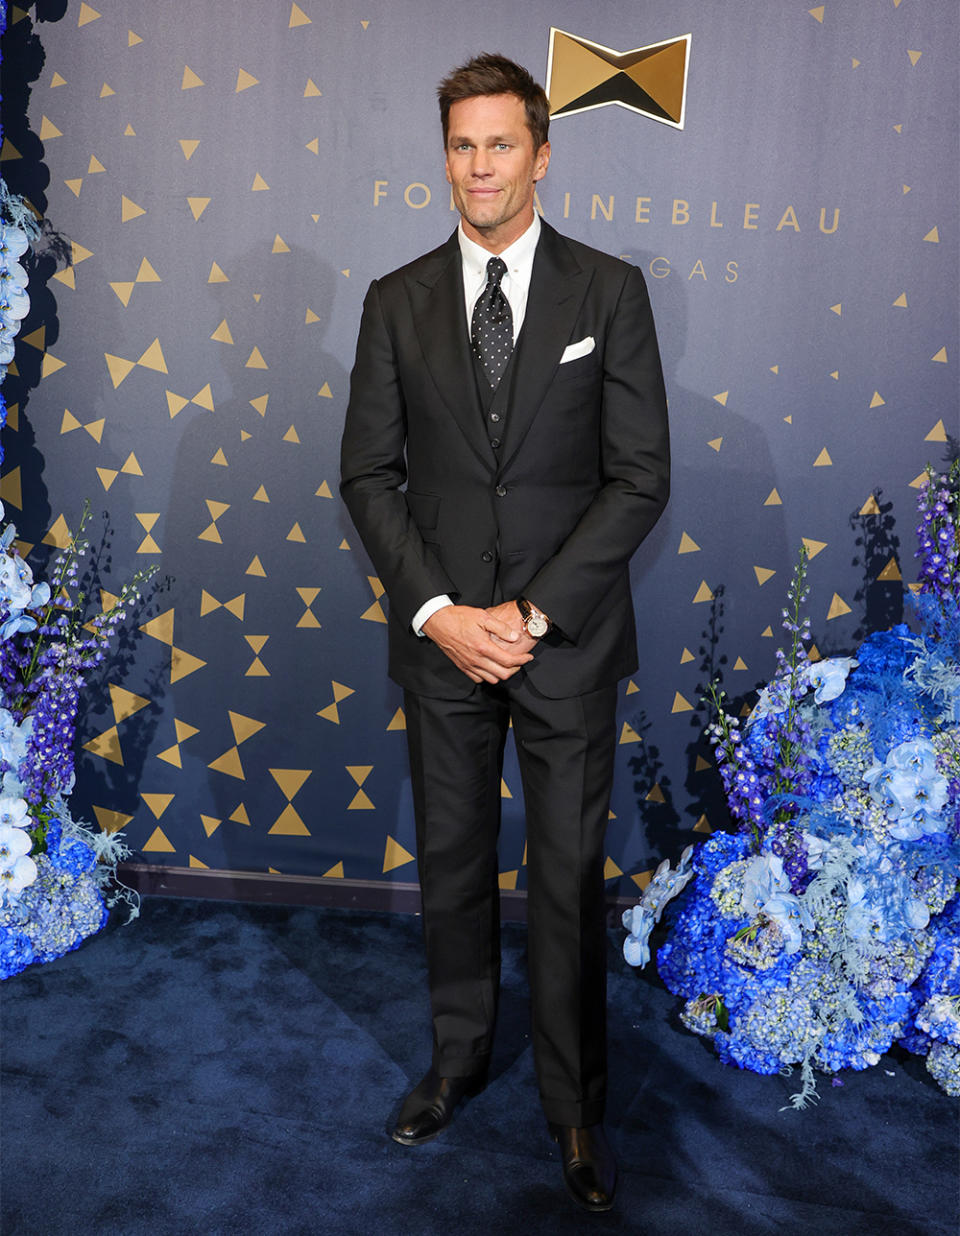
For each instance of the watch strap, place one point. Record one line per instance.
(530, 614)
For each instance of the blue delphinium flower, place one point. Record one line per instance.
(53, 872)
(938, 548)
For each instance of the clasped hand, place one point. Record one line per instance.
(488, 645)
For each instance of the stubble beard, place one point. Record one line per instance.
(484, 220)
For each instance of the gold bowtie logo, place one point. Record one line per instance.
(650, 80)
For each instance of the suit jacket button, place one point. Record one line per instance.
(495, 417)
(494, 442)
(501, 491)
(487, 556)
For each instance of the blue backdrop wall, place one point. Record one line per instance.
(220, 182)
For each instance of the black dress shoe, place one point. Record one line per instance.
(429, 1108)
(589, 1168)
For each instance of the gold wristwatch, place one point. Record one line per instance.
(534, 623)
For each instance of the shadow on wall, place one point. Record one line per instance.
(115, 776)
(704, 478)
(876, 555)
(247, 533)
(27, 176)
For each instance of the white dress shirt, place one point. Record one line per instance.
(516, 287)
(515, 284)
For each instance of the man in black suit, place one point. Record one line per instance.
(511, 381)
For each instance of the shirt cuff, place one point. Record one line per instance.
(426, 611)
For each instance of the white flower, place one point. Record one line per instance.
(14, 843)
(12, 275)
(772, 699)
(636, 947)
(15, 590)
(766, 890)
(13, 812)
(817, 849)
(762, 879)
(13, 741)
(14, 242)
(917, 756)
(14, 302)
(639, 920)
(829, 677)
(15, 875)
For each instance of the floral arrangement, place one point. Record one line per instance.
(827, 928)
(57, 875)
(17, 228)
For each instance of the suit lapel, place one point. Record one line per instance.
(558, 285)
(436, 299)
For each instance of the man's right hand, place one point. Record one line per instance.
(464, 634)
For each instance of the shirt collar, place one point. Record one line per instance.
(516, 256)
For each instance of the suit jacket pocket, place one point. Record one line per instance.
(425, 509)
(583, 367)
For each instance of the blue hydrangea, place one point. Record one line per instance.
(54, 915)
(875, 929)
(719, 850)
(883, 652)
(940, 976)
(829, 928)
(943, 1065)
(68, 854)
(16, 950)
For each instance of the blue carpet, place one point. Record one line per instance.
(228, 1069)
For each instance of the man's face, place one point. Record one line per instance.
(493, 168)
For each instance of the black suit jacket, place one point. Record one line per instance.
(558, 510)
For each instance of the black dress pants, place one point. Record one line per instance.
(565, 750)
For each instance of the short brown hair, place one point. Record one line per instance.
(494, 74)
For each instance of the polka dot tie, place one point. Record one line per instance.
(491, 328)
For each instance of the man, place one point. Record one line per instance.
(511, 380)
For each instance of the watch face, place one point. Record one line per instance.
(537, 626)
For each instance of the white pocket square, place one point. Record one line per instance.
(574, 351)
